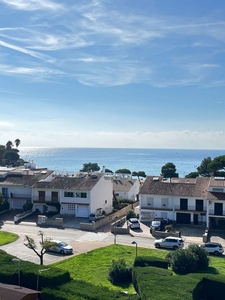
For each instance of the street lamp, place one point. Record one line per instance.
(135, 243)
(17, 260)
(38, 275)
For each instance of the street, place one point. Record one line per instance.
(81, 241)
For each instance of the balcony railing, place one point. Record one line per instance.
(41, 199)
(213, 213)
(156, 207)
(190, 208)
(20, 196)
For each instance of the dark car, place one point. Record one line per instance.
(157, 224)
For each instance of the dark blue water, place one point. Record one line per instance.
(148, 160)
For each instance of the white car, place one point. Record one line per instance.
(169, 242)
(61, 247)
(133, 223)
(213, 248)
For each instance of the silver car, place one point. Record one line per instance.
(213, 248)
(133, 223)
(169, 242)
(61, 247)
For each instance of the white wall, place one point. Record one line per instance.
(102, 192)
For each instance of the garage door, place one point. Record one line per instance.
(82, 211)
(183, 218)
(18, 204)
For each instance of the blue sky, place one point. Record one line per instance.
(136, 74)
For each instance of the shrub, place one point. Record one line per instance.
(131, 214)
(27, 206)
(144, 261)
(170, 228)
(120, 272)
(202, 256)
(183, 261)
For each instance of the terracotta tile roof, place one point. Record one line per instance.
(123, 185)
(71, 183)
(25, 180)
(215, 196)
(188, 187)
(14, 292)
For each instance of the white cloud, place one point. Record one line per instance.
(168, 139)
(32, 5)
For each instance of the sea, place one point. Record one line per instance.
(66, 160)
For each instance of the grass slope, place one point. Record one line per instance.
(7, 237)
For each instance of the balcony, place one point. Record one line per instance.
(156, 207)
(14, 196)
(42, 199)
(190, 209)
(213, 213)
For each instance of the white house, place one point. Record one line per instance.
(126, 188)
(216, 199)
(78, 195)
(16, 184)
(181, 199)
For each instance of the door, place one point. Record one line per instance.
(183, 204)
(195, 219)
(199, 205)
(55, 197)
(218, 209)
(41, 196)
(82, 211)
(183, 218)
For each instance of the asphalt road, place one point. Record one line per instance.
(81, 241)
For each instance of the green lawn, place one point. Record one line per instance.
(7, 237)
(93, 266)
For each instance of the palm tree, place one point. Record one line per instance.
(9, 145)
(17, 142)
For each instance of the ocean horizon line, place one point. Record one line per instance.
(139, 148)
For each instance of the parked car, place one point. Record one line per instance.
(157, 224)
(213, 248)
(133, 223)
(169, 242)
(95, 217)
(61, 247)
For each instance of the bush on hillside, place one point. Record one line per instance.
(183, 261)
(202, 256)
(119, 272)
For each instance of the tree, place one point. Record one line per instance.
(17, 143)
(11, 155)
(90, 167)
(217, 165)
(203, 169)
(192, 175)
(123, 171)
(169, 170)
(108, 171)
(139, 174)
(9, 145)
(45, 245)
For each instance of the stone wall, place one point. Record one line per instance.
(109, 219)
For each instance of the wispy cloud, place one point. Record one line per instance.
(121, 45)
(26, 51)
(32, 5)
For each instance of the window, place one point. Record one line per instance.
(150, 201)
(81, 195)
(68, 194)
(71, 207)
(105, 201)
(217, 189)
